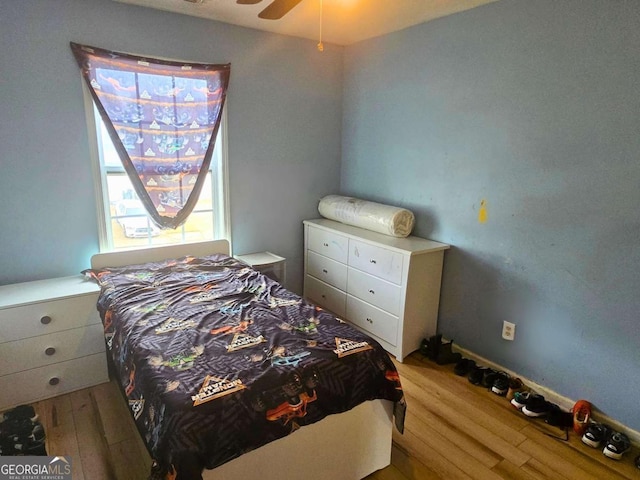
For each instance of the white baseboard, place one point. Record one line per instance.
(554, 397)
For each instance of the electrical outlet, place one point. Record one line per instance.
(508, 330)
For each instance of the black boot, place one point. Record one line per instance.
(446, 355)
(430, 348)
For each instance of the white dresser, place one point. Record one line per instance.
(386, 286)
(51, 339)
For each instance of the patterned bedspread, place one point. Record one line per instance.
(216, 359)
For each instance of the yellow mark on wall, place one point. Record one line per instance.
(482, 213)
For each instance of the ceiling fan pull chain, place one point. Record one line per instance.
(320, 44)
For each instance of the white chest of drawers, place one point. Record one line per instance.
(388, 287)
(51, 339)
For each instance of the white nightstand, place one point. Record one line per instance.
(51, 339)
(273, 266)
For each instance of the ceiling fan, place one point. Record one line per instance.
(274, 11)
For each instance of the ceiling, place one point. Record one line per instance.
(343, 21)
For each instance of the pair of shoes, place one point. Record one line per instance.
(21, 433)
(439, 352)
(615, 443)
(581, 416)
(489, 378)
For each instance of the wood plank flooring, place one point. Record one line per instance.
(453, 430)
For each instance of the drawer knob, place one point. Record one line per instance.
(323, 296)
(46, 320)
(373, 261)
(54, 381)
(369, 320)
(50, 351)
(372, 292)
(324, 270)
(325, 244)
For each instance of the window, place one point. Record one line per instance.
(123, 221)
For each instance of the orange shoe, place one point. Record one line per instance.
(581, 416)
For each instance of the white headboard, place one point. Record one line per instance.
(132, 257)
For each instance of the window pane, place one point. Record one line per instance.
(127, 223)
(132, 227)
(199, 227)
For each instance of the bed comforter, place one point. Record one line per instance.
(216, 359)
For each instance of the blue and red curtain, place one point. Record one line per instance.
(163, 118)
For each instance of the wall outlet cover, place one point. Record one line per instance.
(508, 330)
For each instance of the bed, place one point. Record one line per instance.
(229, 375)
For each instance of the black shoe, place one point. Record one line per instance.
(21, 427)
(30, 447)
(617, 445)
(500, 384)
(521, 399)
(464, 367)
(446, 355)
(21, 412)
(430, 348)
(424, 347)
(537, 406)
(489, 377)
(477, 374)
(559, 418)
(595, 434)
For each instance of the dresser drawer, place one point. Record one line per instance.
(373, 290)
(47, 317)
(38, 383)
(328, 244)
(57, 347)
(375, 260)
(327, 270)
(372, 319)
(325, 295)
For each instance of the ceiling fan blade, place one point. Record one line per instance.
(247, 2)
(278, 9)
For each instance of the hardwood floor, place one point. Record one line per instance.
(453, 430)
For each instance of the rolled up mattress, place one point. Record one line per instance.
(393, 221)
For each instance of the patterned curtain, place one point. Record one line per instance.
(163, 118)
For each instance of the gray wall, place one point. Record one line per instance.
(533, 106)
(284, 113)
